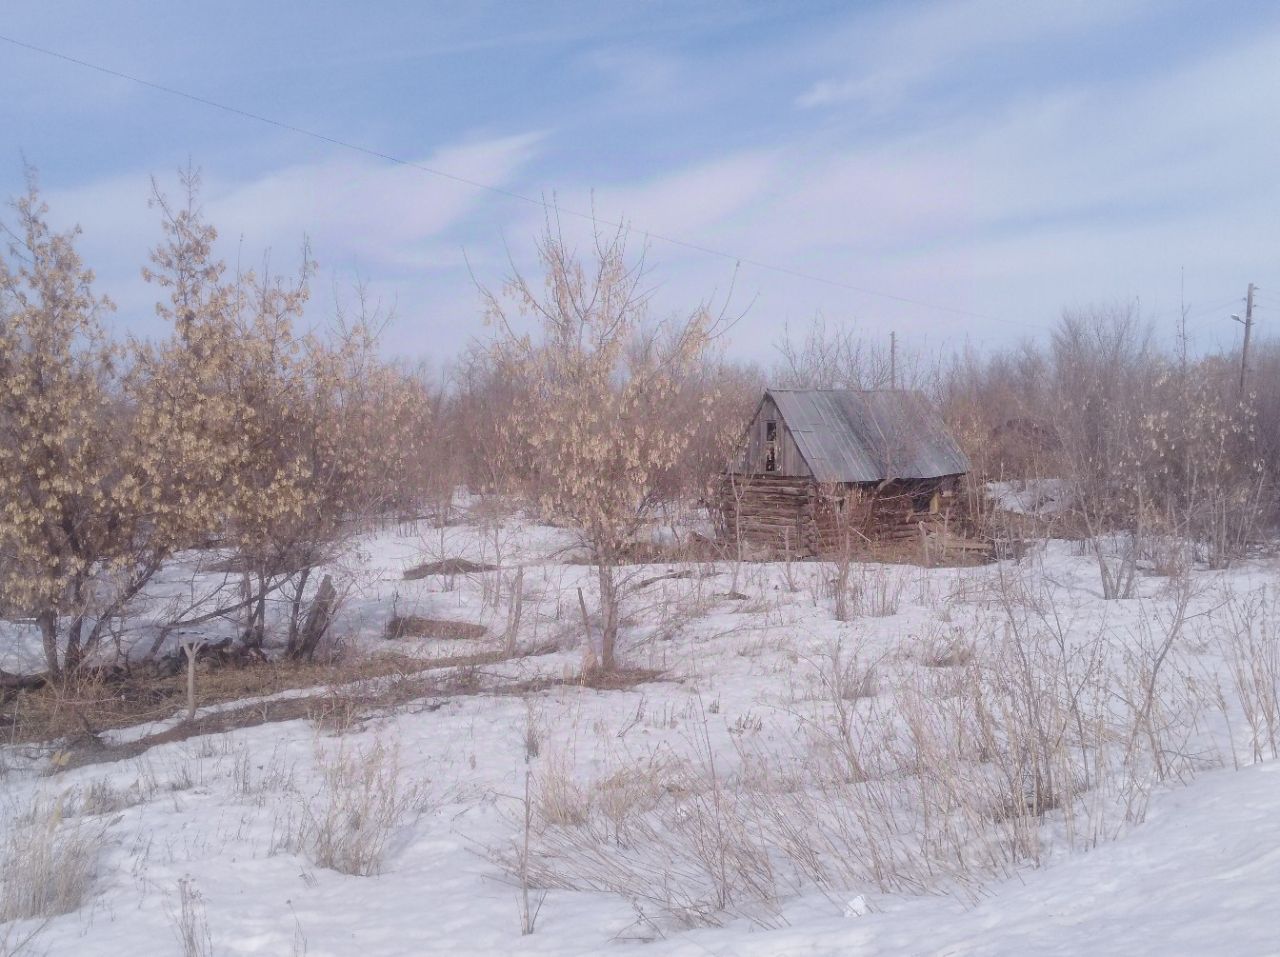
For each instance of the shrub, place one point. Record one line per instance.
(47, 863)
(349, 824)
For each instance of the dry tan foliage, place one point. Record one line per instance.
(238, 426)
(593, 431)
(84, 522)
(47, 862)
(308, 430)
(1152, 446)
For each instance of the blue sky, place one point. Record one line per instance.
(1005, 159)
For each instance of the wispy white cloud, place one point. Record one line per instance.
(892, 53)
(1057, 187)
(361, 216)
(1093, 191)
(638, 74)
(684, 202)
(364, 207)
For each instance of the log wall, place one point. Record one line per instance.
(773, 514)
(778, 515)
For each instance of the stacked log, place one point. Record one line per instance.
(778, 516)
(770, 513)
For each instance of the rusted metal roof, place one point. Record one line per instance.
(851, 436)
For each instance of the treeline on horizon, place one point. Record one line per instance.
(242, 427)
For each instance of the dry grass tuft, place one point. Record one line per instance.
(559, 799)
(190, 923)
(363, 801)
(949, 649)
(880, 590)
(100, 798)
(47, 863)
(672, 837)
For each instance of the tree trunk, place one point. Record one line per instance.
(260, 628)
(589, 662)
(295, 613)
(73, 655)
(319, 617)
(608, 616)
(257, 629)
(48, 621)
(514, 611)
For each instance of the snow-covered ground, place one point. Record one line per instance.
(1165, 848)
(1044, 497)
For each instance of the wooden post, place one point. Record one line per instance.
(192, 647)
(319, 616)
(514, 612)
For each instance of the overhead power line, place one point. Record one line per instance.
(509, 194)
(1214, 309)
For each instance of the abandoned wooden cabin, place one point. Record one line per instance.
(821, 468)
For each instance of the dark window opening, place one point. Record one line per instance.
(771, 446)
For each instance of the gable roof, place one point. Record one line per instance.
(850, 436)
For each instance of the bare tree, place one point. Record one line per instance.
(590, 426)
(837, 356)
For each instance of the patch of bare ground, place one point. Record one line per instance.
(106, 700)
(939, 551)
(669, 576)
(616, 680)
(344, 707)
(414, 626)
(447, 566)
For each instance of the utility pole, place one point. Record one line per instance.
(893, 359)
(1248, 330)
